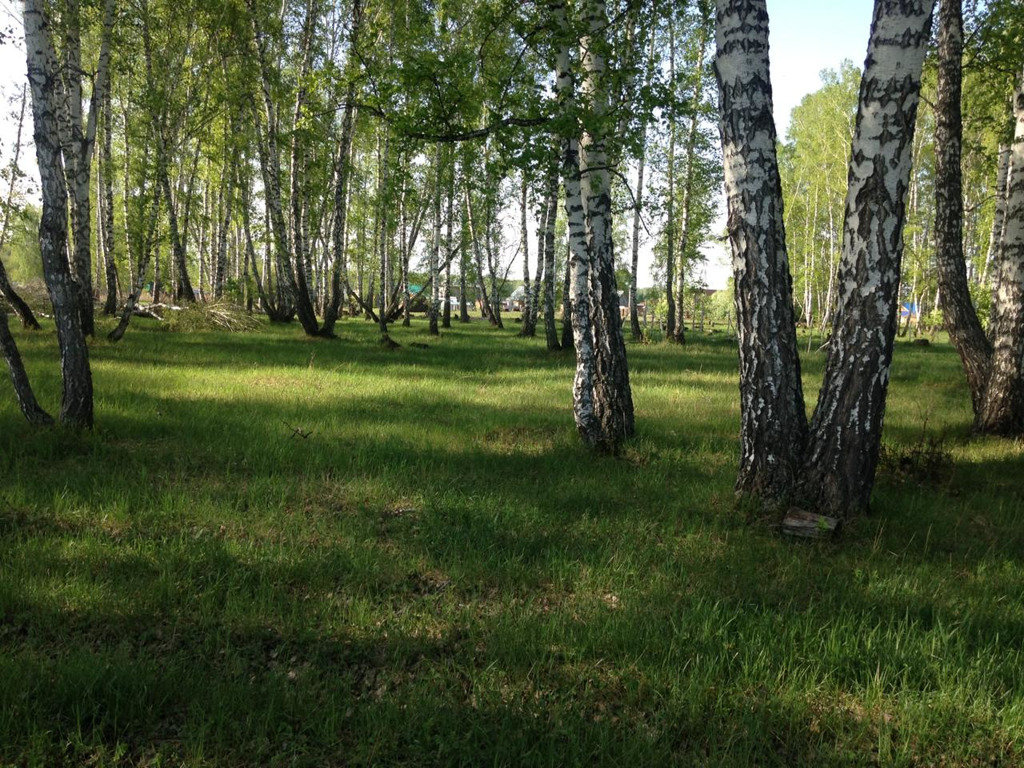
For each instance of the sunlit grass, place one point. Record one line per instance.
(277, 550)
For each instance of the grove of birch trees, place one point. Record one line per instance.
(332, 162)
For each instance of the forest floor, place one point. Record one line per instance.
(275, 550)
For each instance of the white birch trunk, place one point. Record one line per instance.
(1003, 408)
(772, 420)
(842, 455)
(44, 78)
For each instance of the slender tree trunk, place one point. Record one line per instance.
(463, 266)
(550, 215)
(996, 234)
(267, 303)
(33, 412)
(636, 331)
(492, 265)
(289, 270)
(435, 246)
(185, 291)
(381, 227)
(446, 311)
(670, 206)
(690, 178)
(995, 243)
(342, 174)
(962, 323)
(226, 203)
(24, 312)
(584, 409)
(1002, 411)
(474, 237)
(568, 340)
(79, 152)
(529, 326)
(773, 424)
(404, 256)
(846, 430)
(107, 223)
(140, 276)
(76, 408)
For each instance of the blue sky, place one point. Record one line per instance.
(807, 36)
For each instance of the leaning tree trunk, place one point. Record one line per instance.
(1002, 411)
(24, 312)
(846, 430)
(773, 424)
(76, 408)
(961, 319)
(34, 413)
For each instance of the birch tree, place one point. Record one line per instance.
(993, 363)
(78, 139)
(76, 408)
(773, 427)
(835, 472)
(602, 398)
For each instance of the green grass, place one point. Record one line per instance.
(439, 574)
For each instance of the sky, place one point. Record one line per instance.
(805, 37)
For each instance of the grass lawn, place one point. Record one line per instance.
(281, 551)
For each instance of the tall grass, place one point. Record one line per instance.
(281, 551)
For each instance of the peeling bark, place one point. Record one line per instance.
(1002, 411)
(106, 172)
(76, 408)
(846, 430)
(34, 413)
(961, 319)
(550, 215)
(773, 425)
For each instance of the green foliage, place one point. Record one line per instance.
(21, 254)
(813, 166)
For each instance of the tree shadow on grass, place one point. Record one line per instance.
(205, 650)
